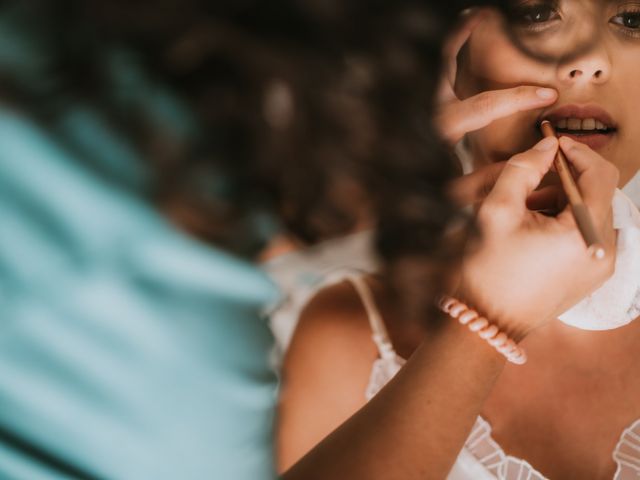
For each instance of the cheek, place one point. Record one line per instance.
(627, 96)
(495, 63)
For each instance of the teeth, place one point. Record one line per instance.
(574, 124)
(580, 124)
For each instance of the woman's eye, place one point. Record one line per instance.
(629, 20)
(539, 14)
(533, 15)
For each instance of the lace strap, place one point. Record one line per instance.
(627, 453)
(380, 335)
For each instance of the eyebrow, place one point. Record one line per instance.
(610, 2)
(607, 3)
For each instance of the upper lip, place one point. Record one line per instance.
(581, 112)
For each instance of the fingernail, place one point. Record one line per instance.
(566, 143)
(546, 93)
(545, 144)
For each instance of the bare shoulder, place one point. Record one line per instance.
(325, 372)
(335, 313)
(333, 333)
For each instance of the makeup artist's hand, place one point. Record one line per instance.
(456, 117)
(527, 268)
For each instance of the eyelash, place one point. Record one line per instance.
(627, 12)
(525, 9)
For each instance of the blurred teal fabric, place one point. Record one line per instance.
(128, 350)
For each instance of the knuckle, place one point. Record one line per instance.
(527, 163)
(581, 147)
(521, 92)
(492, 214)
(521, 160)
(519, 157)
(580, 151)
(485, 103)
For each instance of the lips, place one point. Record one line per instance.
(590, 124)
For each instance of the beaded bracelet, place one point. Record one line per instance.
(485, 329)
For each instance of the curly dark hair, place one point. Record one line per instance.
(314, 112)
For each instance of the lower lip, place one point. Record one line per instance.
(595, 141)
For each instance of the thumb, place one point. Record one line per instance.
(520, 177)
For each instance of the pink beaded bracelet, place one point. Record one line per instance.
(485, 329)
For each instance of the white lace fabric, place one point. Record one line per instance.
(627, 453)
(617, 301)
(302, 275)
(487, 451)
(492, 461)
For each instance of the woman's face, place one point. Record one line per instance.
(599, 88)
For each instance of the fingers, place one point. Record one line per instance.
(474, 187)
(458, 118)
(457, 39)
(597, 178)
(519, 178)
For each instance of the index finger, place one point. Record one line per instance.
(480, 110)
(458, 38)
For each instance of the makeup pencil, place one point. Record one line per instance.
(579, 209)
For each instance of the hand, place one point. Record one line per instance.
(527, 268)
(456, 117)
(471, 189)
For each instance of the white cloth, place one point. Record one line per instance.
(617, 301)
(481, 457)
(632, 189)
(301, 274)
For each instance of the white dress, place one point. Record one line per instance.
(481, 458)
(303, 274)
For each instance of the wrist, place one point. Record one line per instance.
(486, 329)
(454, 341)
(513, 323)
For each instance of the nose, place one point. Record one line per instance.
(591, 67)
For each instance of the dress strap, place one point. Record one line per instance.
(380, 335)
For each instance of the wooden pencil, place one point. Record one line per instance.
(578, 207)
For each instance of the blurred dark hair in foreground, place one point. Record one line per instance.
(314, 112)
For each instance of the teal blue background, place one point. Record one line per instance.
(127, 349)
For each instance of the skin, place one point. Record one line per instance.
(591, 375)
(426, 411)
(605, 75)
(563, 411)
